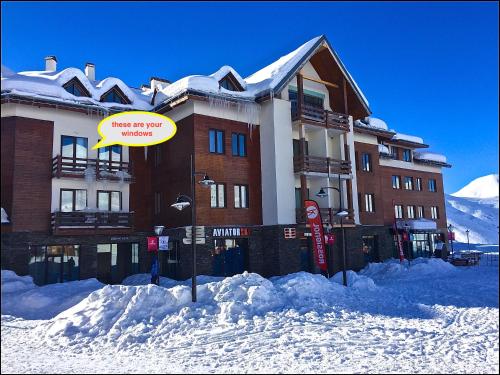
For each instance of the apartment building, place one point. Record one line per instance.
(269, 141)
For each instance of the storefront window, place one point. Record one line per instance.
(53, 264)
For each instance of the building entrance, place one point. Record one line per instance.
(230, 256)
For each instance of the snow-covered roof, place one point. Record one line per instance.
(407, 138)
(429, 156)
(49, 85)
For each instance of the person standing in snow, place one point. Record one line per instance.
(155, 276)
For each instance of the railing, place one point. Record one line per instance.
(327, 216)
(98, 219)
(322, 117)
(307, 163)
(79, 167)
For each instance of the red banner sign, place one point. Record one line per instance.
(152, 243)
(314, 219)
(451, 236)
(331, 238)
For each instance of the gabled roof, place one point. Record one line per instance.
(277, 75)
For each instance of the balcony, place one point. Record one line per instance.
(307, 163)
(96, 168)
(322, 117)
(327, 216)
(95, 222)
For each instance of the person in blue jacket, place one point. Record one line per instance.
(155, 275)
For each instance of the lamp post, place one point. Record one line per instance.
(407, 231)
(341, 213)
(184, 201)
(468, 244)
(450, 227)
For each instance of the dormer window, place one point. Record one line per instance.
(229, 82)
(115, 95)
(75, 87)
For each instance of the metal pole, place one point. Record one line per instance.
(344, 273)
(193, 232)
(468, 244)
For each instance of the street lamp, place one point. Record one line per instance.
(181, 203)
(341, 213)
(450, 228)
(468, 244)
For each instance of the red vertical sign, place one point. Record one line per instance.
(314, 219)
(152, 243)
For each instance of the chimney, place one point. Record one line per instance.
(155, 82)
(51, 63)
(90, 71)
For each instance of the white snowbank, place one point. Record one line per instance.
(406, 137)
(432, 156)
(354, 280)
(416, 268)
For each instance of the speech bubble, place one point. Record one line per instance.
(135, 128)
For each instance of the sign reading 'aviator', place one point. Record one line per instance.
(314, 219)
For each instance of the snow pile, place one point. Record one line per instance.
(21, 297)
(372, 122)
(355, 281)
(416, 268)
(419, 155)
(383, 149)
(482, 187)
(11, 283)
(408, 138)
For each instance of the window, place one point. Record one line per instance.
(75, 87)
(74, 147)
(228, 85)
(216, 141)
(396, 182)
(432, 185)
(239, 144)
(408, 183)
(411, 212)
(434, 212)
(418, 184)
(309, 100)
(157, 203)
(112, 155)
(366, 162)
(406, 154)
(73, 200)
(398, 211)
(296, 147)
(218, 195)
(369, 203)
(420, 212)
(240, 196)
(113, 96)
(393, 150)
(109, 200)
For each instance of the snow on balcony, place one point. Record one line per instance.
(383, 149)
(407, 138)
(430, 156)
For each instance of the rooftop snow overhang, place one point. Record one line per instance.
(406, 143)
(373, 131)
(432, 162)
(320, 45)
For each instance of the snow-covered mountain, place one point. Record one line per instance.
(475, 207)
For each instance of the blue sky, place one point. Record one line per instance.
(428, 69)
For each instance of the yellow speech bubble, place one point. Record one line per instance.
(135, 128)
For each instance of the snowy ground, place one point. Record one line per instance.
(430, 318)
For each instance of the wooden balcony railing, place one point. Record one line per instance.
(327, 216)
(98, 168)
(88, 219)
(322, 117)
(307, 163)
